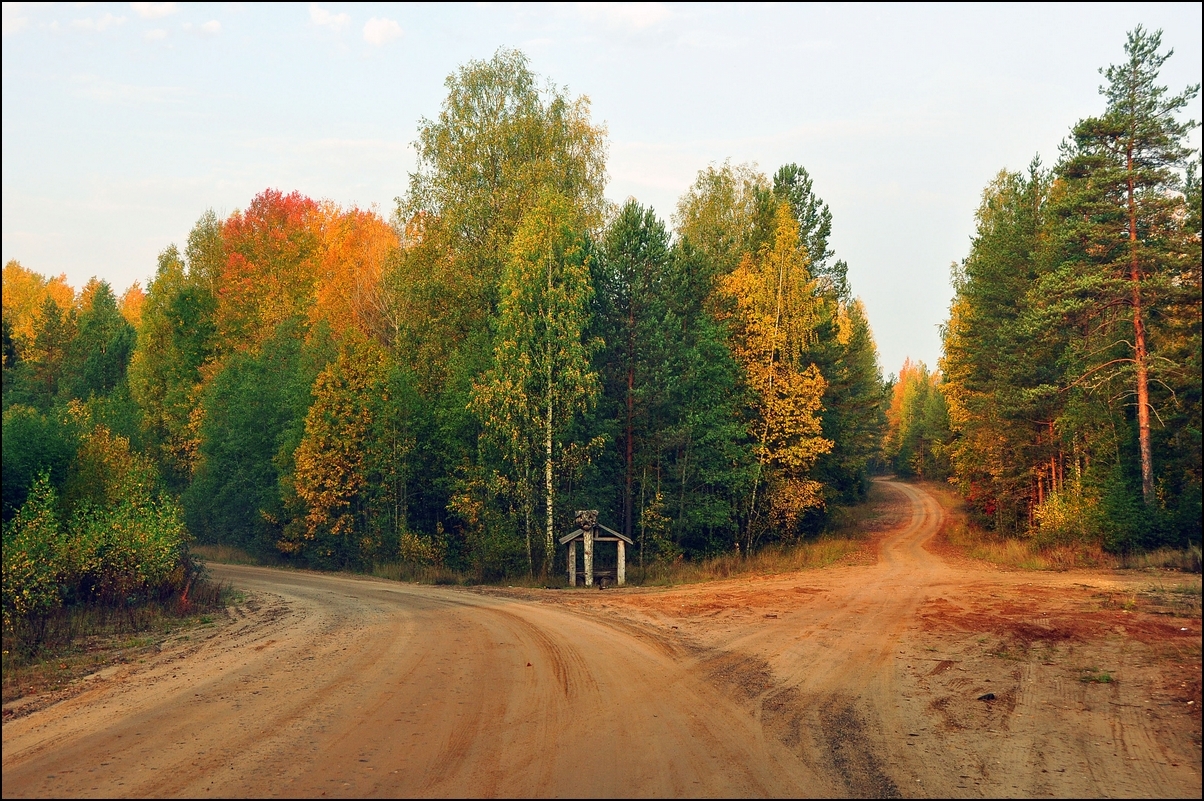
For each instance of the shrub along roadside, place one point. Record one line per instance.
(1041, 551)
(111, 540)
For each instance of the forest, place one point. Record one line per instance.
(1068, 402)
(326, 387)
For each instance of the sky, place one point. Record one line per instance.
(123, 123)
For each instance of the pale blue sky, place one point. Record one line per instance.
(122, 123)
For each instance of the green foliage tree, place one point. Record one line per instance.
(499, 143)
(175, 342)
(35, 443)
(631, 271)
(1072, 348)
(540, 378)
(727, 213)
(44, 367)
(998, 368)
(99, 354)
(253, 418)
(35, 553)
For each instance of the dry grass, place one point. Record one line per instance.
(225, 554)
(765, 562)
(1185, 559)
(418, 574)
(79, 640)
(769, 560)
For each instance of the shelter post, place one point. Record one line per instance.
(588, 539)
(621, 567)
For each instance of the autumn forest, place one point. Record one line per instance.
(336, 389)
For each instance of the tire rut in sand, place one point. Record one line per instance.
(828, 727)
(851, 750)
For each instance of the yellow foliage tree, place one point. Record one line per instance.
(24, 293)
(355, 247)
(772, 316)
(329, 460)
(351, 466)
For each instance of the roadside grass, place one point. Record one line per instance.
(75, 641)
(417, 574)
(1186, 560)
(229, 555)
(847, 536)
(771, 559)
(959, 532)
(767, 561)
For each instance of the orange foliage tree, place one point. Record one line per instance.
(271, 270)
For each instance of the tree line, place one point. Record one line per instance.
(1067, 406)
(448, 385)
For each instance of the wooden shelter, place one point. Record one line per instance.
(592, 531)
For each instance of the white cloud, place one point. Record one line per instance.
(636, 16)
(155, 35)
(381, 31)
(154, 10)
(104, 91)
(13, 19)
(212, 26)
(322, 17)
(99, 24)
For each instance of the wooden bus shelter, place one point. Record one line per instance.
(592, 531)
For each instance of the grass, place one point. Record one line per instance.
(1186, 560)
(1180, 598)
(1095, 676)
(79, 640)
(418, 574)
(769, 560)
(225, 554)
(847, 534)
(959, 532)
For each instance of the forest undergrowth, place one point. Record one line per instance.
(961, 535)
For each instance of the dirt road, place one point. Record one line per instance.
(860, 680)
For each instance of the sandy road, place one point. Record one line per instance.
(854, 681)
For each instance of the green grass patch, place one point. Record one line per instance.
(1095, 676)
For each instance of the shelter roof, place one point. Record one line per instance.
(580, 534)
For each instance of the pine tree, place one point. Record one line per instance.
(1121, 248)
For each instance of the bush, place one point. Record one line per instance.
(1067, 518)
(36, 558)
(128, 550)
(123, 544)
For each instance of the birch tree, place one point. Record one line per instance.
(773, 322)
(540, 377)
